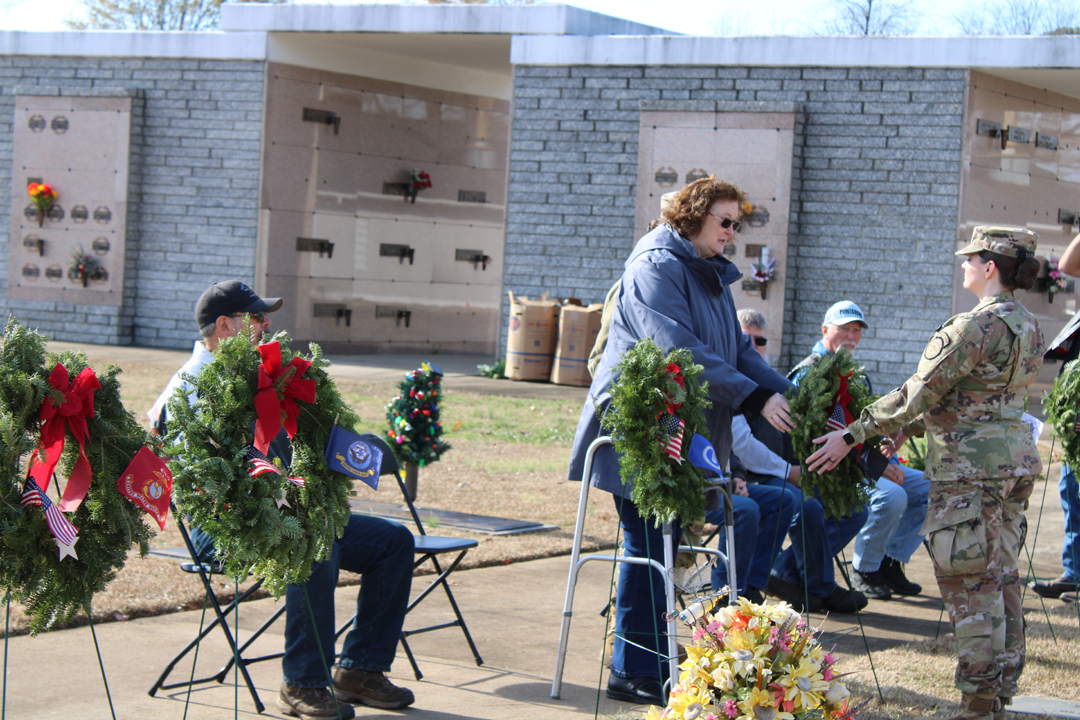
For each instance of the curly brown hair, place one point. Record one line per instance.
(687, 210)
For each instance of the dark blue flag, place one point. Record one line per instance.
(351, 455)
(703, 455)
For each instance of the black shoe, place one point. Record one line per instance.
(1069, 597)
(844, 601)
(792, 593)
(871, 584)
(637, 690)
(892, 572)
(754, 595)
(1054, 588)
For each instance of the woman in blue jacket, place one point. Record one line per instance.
(675, 290)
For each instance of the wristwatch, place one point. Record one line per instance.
(848, 438)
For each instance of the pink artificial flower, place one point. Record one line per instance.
(827, 674)
(731, 709)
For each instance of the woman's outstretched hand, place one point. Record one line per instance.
(778, 413)
(892, 443)
(833, 449)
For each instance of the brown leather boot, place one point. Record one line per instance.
(982, 706)
(1001, 713)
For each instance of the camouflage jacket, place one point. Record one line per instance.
(968, 395)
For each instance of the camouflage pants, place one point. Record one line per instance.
(974, 531)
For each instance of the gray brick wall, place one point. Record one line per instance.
(875, 192)
(194, 192)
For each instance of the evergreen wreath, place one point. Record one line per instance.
(413, 416)
(845, 488)
(31, 570)
(1060, 407)
(254, 531)
(645, 389)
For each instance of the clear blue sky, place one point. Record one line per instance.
(701, 17)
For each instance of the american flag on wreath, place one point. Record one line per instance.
(59, 525)
(260, 464)
(672, 427)
(838, 418)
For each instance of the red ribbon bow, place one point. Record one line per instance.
(676, 372)
(72, 412)
(268, 406)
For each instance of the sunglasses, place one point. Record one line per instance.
(728, 223)
(761, 342)
(256, 317)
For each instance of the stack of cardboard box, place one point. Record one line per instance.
(551, 339)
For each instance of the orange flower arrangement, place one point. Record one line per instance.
(43, 196)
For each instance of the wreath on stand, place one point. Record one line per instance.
(265, 521)
(41, 401)
(833, 389)
(1060, 407)
(655, 402)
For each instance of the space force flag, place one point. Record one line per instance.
(147, 482)
(703, 455)
(351, 455)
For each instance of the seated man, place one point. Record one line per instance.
(764, 452)
(381, 551)
(898, 498)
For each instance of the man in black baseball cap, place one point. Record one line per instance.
(221, 309)
(380, 550)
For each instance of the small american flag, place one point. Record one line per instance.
(837, 419)
(260, 464)
(673, 426)
(59, 525)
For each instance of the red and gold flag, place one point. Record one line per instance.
(148, 483)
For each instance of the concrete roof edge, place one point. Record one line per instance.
(142, 43)
(944, 52)
(472, 19)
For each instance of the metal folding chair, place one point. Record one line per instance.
(428, 549)
(221, 613)
(576, 562)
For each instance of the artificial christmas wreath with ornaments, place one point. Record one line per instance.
(413, 415)
(268, 520)
(656, 401)
(67, 419)
(831, 393)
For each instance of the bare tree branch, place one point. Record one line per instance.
(150, 14)
(869, 17)
(1020, 17)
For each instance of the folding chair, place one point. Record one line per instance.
(428, 548)
(205, 570)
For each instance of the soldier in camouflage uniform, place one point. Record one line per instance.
(968, 397)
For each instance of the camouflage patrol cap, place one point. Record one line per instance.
(1009, 241)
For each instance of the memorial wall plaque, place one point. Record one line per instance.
(84, 157)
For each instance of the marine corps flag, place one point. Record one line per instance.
(148, 483)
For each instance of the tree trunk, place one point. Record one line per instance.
(412, 470)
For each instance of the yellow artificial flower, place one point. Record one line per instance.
(743, 653)
(699, 663)
(689, 701)
(804, 685)
(756, 698)
(657, 713)
(723, 679)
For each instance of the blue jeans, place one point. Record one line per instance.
(814, 541)
(1070, 503)
(639, 599)
(896, 516)
(761, 524)
(381, 551)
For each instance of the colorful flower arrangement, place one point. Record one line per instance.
(84, 268)
(1057, 282)
(764, 270)
(43, 196)
(755, 662)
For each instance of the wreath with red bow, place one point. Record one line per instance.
(58, 415)
(266, 519)
(656, 401)
(831, 388)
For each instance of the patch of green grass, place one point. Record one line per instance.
(554, 462)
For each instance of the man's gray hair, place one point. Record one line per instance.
(752, 318)
(207, 331)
